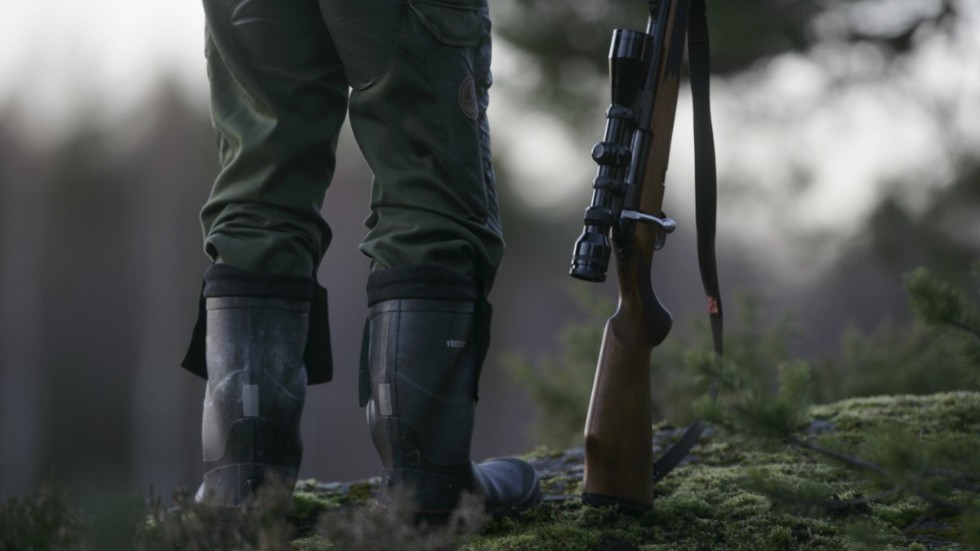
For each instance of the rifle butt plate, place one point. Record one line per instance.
(600, 500)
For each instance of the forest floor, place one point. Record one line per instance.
(731, 493)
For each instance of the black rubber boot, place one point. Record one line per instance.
(254, 398)
(424, 356)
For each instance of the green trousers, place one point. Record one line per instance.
(413, 74)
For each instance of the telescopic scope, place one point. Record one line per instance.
(590, 259)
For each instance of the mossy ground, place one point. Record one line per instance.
(734, 494)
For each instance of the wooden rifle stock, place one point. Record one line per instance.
(618, 432)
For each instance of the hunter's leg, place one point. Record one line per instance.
(420, 73)
(278, 99)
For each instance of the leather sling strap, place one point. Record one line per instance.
(706, 194)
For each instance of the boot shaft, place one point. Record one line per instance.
(424, 352)
(424, 373)
(256, 379)
(254, 396)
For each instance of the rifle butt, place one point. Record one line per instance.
(618, 429)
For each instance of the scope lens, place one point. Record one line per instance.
(591, 257)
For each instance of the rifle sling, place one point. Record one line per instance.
(706, 192)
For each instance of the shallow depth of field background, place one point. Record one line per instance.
(848, 141)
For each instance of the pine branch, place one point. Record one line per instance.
(944, 503)
(842, 457)
(939, 303)
(963, 327)
(835, 505)
(775, 417)
(864, 464)
(961, 480)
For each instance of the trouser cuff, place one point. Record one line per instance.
(426, 282)
(223, 280)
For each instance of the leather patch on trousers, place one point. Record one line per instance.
(467, 98)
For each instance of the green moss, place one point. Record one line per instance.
(543, 452)
(934, 413)
(900, 513)
(313, 543)
(562, 485)
(308, 507)
(780, 537)
(737, 496)
(732, 494)
(542, 537)
(360, 493)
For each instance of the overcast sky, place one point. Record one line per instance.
(57, 56)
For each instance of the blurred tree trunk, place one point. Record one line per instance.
(172, 170)
(22, 217)
(87, 304)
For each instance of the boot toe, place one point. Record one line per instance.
(509, 485)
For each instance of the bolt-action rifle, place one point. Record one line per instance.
(626, 217)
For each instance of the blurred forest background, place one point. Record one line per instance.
(848, 135)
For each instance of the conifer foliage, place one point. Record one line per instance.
(902, 458)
